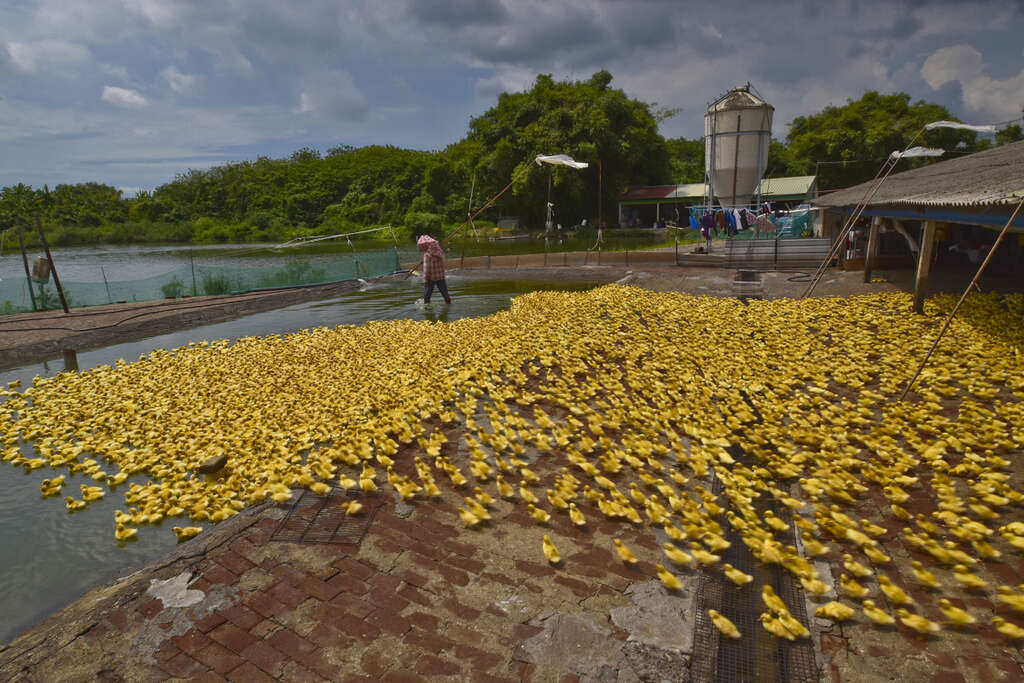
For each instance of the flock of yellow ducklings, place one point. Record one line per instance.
(635, 398)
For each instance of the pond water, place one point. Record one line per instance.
(98, 275)
(49, 557)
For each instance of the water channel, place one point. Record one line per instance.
(49, 557)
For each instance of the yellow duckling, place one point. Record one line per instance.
(736, 576)
(877, 615)
(478, 510)
(668, 579)
(954, 615)
(856, 568)
(353, 508)
(91, 493)
(703, 556)
(407, 489)
(482, 496)
(793, 625)
(775, 627)
(526, 494)
(186, 532)
(900, 512)
(468, 518)
(576, 516)
(550, 551)
(814, 586)
(625, 554)
(73, 505)
(505, 489)
(281, 495)
(875, 555)
(123, 533)
(852, 588)
(895, 594)
(1010, 597)
(724, 626)
(924, 576)
(676, 555)
(1007, 628)
(813, 546)
(772, 601)
(319, 488)
(835, 611)
(540, 516)
(968, 580)
(917, 623)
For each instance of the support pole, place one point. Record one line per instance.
(869, 254)
(24, 259)
(53, 266)
(924, 262)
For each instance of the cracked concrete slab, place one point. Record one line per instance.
(657, 618)
(576, 643)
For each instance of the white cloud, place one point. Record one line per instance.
(956, 63)
(332, 95)
(45, 55)
(506, 80)
(182, 83)
(982, 94)
(123, 97)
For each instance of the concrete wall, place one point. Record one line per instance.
(626, 259)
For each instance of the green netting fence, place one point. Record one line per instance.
(201, 280)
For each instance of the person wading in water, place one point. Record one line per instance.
(433, 268)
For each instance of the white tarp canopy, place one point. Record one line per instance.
(917, 152)
(957, 124)
(560, 160)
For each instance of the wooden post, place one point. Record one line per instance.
(53, 266)
(869, 254)
(28, 274)
(924, 261)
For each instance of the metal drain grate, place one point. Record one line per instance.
(758, 656)
(323, 519)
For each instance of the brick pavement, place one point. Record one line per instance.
(423, 597)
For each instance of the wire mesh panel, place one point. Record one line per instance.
(202, 280)
(758, 655)
(325, 519)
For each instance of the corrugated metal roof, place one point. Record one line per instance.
(995, 176)
(792, 186)
(650, 192)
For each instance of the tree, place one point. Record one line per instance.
(686, 160)
(1011, 133)
(847, 145)
(587, 120)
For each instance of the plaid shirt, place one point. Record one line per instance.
(433, 267)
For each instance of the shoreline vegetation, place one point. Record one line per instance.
(347, 189)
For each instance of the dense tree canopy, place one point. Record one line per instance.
(346, 188)
(846, 145)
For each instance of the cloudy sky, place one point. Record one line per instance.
(130, 92)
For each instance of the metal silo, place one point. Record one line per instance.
(737, 134)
